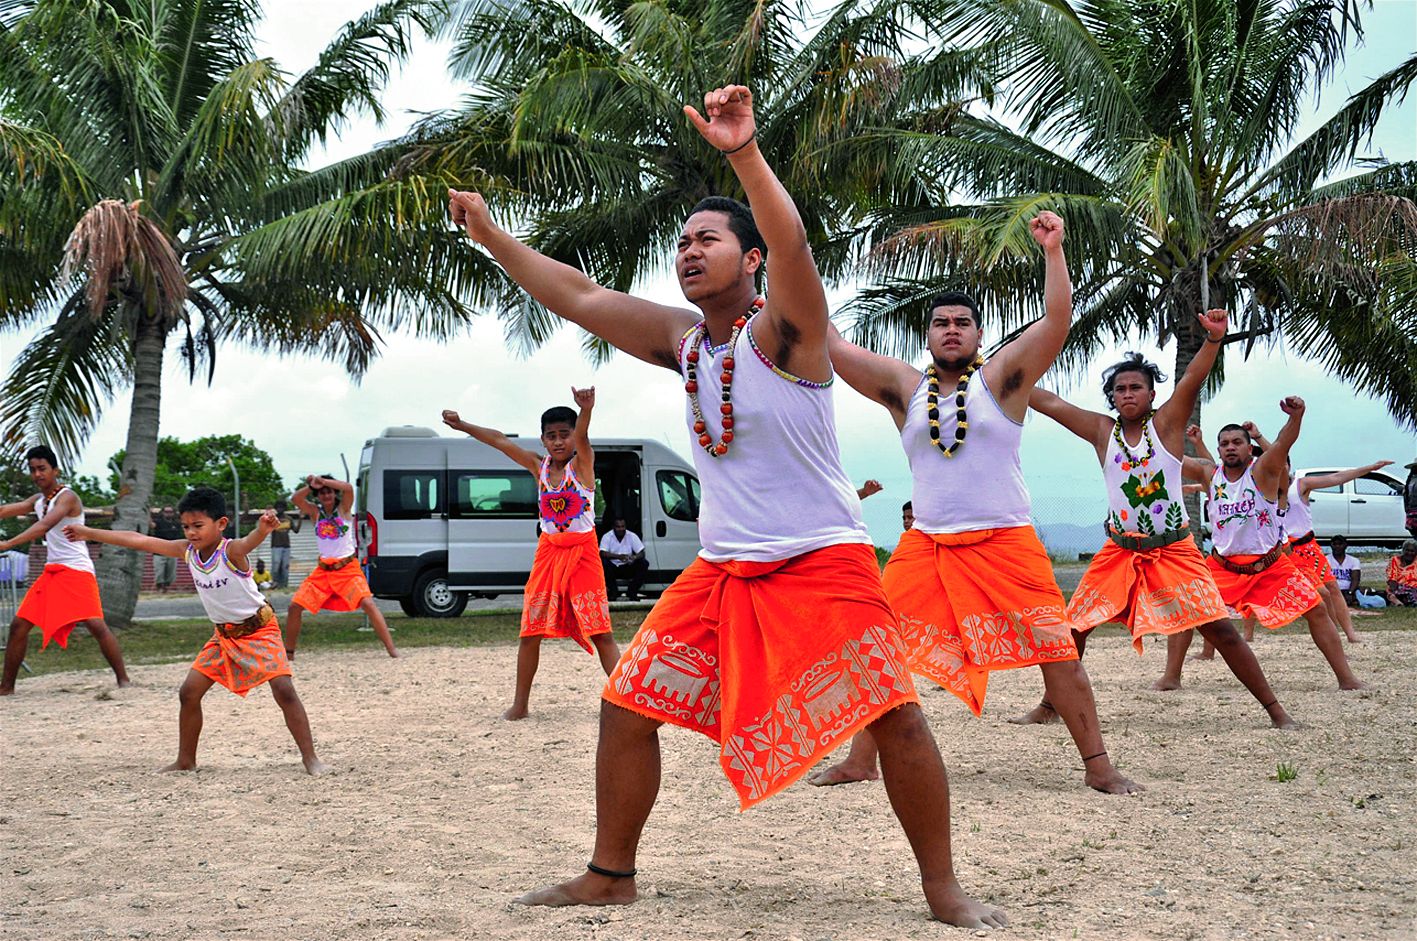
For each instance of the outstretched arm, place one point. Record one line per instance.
(169, 547)
(797, 308)
(1337, 478)
(238, 549)
(64, 506)
(645, 330)
(525, 459)
(884, 380)
(1175, 412)
(1092, 427)
(580, 435)
(1013, 370)
(11, 510)
(1270, 468)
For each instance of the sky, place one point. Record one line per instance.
(272, 400)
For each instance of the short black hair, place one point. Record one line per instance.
(1233, 427)
(558, 415)
(42, 452)
(955, 299)
(1133, 362)
(1339, 538)
(740, 221)
(907, 505)
(204, 500)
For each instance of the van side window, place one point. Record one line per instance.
(1375, 486)
(678, 494)
(1337, 489)
(413, 494)
(493, 494)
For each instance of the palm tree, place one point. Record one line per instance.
(151, 193)
(1165, 134)
(574, 109)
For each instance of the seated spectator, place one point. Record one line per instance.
(1347, 570)
(907, 515)
(261, 577)
(623, 556)
(1402, 576)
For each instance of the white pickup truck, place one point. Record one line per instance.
(1367, 510)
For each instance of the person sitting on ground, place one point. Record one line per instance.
(907, 515)
(622, 554)
(261, 577)
(1347, 570)
(1402, 576)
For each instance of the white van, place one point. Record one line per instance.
(1368, 510)
(441, 519)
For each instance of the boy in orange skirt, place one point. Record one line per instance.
(66, 592)
(245, 649)
(1150, 575)
(337, 582)
(971, 583)
(565, 593)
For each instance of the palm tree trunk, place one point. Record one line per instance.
(120, 570)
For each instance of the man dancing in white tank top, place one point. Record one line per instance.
(971, 582)
(1255, 575)
(777, 642)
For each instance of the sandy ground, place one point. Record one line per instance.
(439, 813)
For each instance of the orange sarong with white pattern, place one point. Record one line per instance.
(974, 602)
(1163, 590)
(1274, 597)
(1311, 562)
(778, 662)
(243, 663)
(565, 593)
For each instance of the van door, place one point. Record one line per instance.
(672, 522)
(1375, 507)
(492, 528)
(1330, 509)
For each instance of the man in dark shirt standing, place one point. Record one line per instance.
(166, 525)
(280, 544)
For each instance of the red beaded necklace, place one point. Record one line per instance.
(691, 362)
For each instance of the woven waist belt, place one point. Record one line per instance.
(263, 616)
(1138, 542)
(1304, 539)
(337, 564)
(1255, 567)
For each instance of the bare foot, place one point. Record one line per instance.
(315, 767)
(1354, 683)
(1354, 637)
(394, 654)
(950, 904)
(1166, 684)
(586, 889)
(843, 772)
(515, 713)
(1111, 781)
(1201, 656)
(124, 683)
(1040, 714)
(179, 765)
(7, 690)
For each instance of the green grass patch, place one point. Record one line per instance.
(176, 641)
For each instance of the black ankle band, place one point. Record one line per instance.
(610, 873)
(1090, 757)
(1267, 705)
(1046, 705)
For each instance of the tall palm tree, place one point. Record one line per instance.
(1165, 133)
(575, 108)
(151, 195)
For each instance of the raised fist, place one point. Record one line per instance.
(451, 418)
(1215, 323)
(1292, 405)
(727, 122)
(1047, 229)
(469, 210)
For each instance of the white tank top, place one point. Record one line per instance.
(982, 486)
(1298, 518)
(780, 491)
(1142, 498)
(1242, 521)
(569, 508)
(228, 594)
(61, 550)
(334, 536)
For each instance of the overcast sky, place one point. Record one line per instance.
(276, 402)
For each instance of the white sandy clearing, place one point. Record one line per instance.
(439, 813)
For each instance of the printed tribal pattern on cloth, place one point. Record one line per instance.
(1163, 610)
(561, 508)
(666, 678)
(557, 614)
(244, 663)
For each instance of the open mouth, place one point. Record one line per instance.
(692, 271)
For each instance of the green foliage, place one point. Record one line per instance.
(182, 465)
(1285, 772)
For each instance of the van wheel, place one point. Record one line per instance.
(409, 607)
(432, 598)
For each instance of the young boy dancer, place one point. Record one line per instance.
(777, 642)
(66, 592)
(337, 583)
(245, 649)
(1150, 574)
(565, 594)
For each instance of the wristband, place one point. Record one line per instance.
(1211, 339)
(751, 137)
